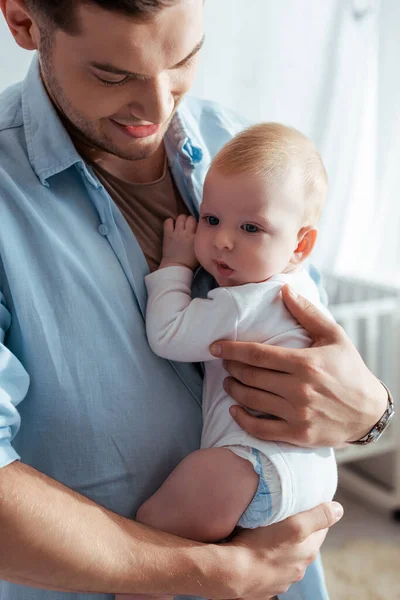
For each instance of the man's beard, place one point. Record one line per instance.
(79, 127)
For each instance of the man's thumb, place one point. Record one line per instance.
(315, 322)
(301, 526)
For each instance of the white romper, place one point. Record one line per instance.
(292, 479)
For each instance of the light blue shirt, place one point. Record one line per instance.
(82, 397)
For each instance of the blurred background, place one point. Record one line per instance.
(329, 68)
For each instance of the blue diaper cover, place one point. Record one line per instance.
(267, 501)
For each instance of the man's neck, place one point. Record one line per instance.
(143, 170)
(134, 171)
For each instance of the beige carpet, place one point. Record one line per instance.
(363, 569)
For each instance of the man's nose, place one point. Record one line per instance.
(154, 102)
(223, 241)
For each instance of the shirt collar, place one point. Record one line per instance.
(50, 148)
(179, 139)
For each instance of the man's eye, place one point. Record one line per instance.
(113, 81)
(189, 63)
(212, 221)
(249, 228)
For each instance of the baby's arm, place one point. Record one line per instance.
(179, 328)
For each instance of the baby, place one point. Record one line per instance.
(263, 197)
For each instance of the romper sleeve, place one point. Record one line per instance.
(180, 328)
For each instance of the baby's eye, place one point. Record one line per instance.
(249, 228)
(213, 221)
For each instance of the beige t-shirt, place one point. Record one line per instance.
(145, 206)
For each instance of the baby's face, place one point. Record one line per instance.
(248, 231)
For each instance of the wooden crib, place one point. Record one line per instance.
(370, 314)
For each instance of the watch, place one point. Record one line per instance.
(381, 425)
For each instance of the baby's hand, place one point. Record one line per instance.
(178, 246)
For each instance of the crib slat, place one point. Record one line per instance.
(351, 328)
(372, 346)
(370, 314)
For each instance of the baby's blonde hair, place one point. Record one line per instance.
(273, 151)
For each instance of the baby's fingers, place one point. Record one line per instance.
(191, 225)
(180, 222)
(168, 226)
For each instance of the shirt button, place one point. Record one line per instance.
(102, 229)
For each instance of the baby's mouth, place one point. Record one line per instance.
(224, 269)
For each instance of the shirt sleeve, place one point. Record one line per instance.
(319, 282)
(14, 384)
(182, 329)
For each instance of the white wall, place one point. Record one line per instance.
(14, 61)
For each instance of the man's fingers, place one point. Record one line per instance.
(259, 400)
(259, 355)
(273, 430)
(274, 382)
(320, 518)
(309, 316)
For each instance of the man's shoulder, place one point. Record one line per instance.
(210, 121)
(11, 109)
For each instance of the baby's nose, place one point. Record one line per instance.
(223, 240)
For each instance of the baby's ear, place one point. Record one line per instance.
(306, 239)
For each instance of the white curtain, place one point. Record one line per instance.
(349, 142)
(384, 240)
(267, 59)
(13, 60)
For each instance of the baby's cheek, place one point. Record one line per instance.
(263, 264)
(199, 244)
(279, 258)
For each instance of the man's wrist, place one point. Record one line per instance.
(380, 400)
(230, 569)
(212, 571)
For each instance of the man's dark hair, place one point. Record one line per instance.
(61, 13)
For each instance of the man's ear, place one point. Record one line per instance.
(306, 239)
(23, 29)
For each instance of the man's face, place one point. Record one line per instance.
(120, 81)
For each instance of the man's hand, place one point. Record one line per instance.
(178, 245)
(274, 557)
(322, 396)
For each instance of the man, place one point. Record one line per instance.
(97, 148)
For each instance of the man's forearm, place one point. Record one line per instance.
(53, 538)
